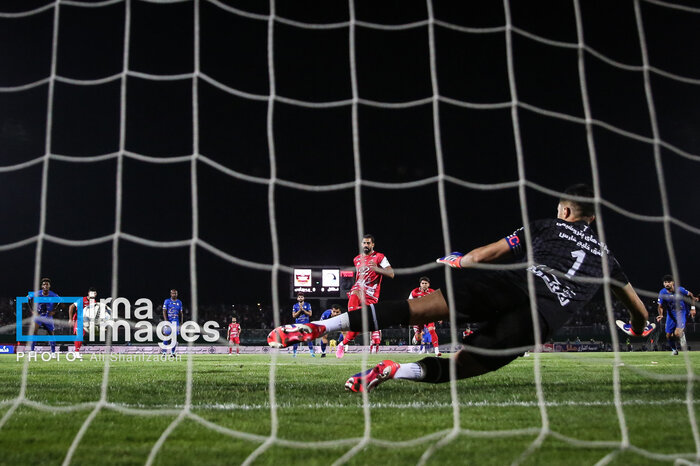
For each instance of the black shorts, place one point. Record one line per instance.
(502, 310)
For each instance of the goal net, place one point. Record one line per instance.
(211, 145)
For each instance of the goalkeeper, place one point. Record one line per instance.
(563, 250)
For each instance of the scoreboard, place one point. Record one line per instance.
(321, 281)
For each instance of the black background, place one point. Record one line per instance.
(314, 146)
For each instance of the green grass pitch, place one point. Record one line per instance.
(499, 415)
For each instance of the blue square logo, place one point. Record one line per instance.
(49, 299)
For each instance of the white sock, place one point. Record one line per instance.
(335, 324)
(410, 371)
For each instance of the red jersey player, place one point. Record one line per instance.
(376, 338)
(90, 299)
(422, 290)
(371, 266)
(233, 336)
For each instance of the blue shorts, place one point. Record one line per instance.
(44, 321)
(674, 320)
(426, 337)
(177, 325)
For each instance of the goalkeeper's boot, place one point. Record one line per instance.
(340, 351)
(286, 335)
(627, 328)
(370, 378)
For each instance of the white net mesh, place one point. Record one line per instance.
(460, 95)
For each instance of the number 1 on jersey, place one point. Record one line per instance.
(579, 256)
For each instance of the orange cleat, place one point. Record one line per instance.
(370, 378)
(286, 335)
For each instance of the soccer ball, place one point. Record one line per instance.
(90, 315)
(94, 315)
(105, 314)
(167, 330)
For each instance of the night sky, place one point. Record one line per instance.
(314, 146)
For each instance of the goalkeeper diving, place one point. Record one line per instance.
(566, 271)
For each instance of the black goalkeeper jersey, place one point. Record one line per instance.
(563, 253)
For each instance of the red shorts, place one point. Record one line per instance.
(355, 303)
(376, 341)
(75, 328)
(235, 340)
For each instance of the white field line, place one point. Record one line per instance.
(168, 408)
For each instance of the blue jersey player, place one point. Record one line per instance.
(426, 341)
(676, 311)
(334, 311)
(172, 312)
(301, 312)
(44, 312)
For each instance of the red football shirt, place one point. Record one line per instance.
(234, 330)
(368, 280)
(86, 303)
(417, 293)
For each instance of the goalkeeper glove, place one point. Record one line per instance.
(627, 328)
(453, 260)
